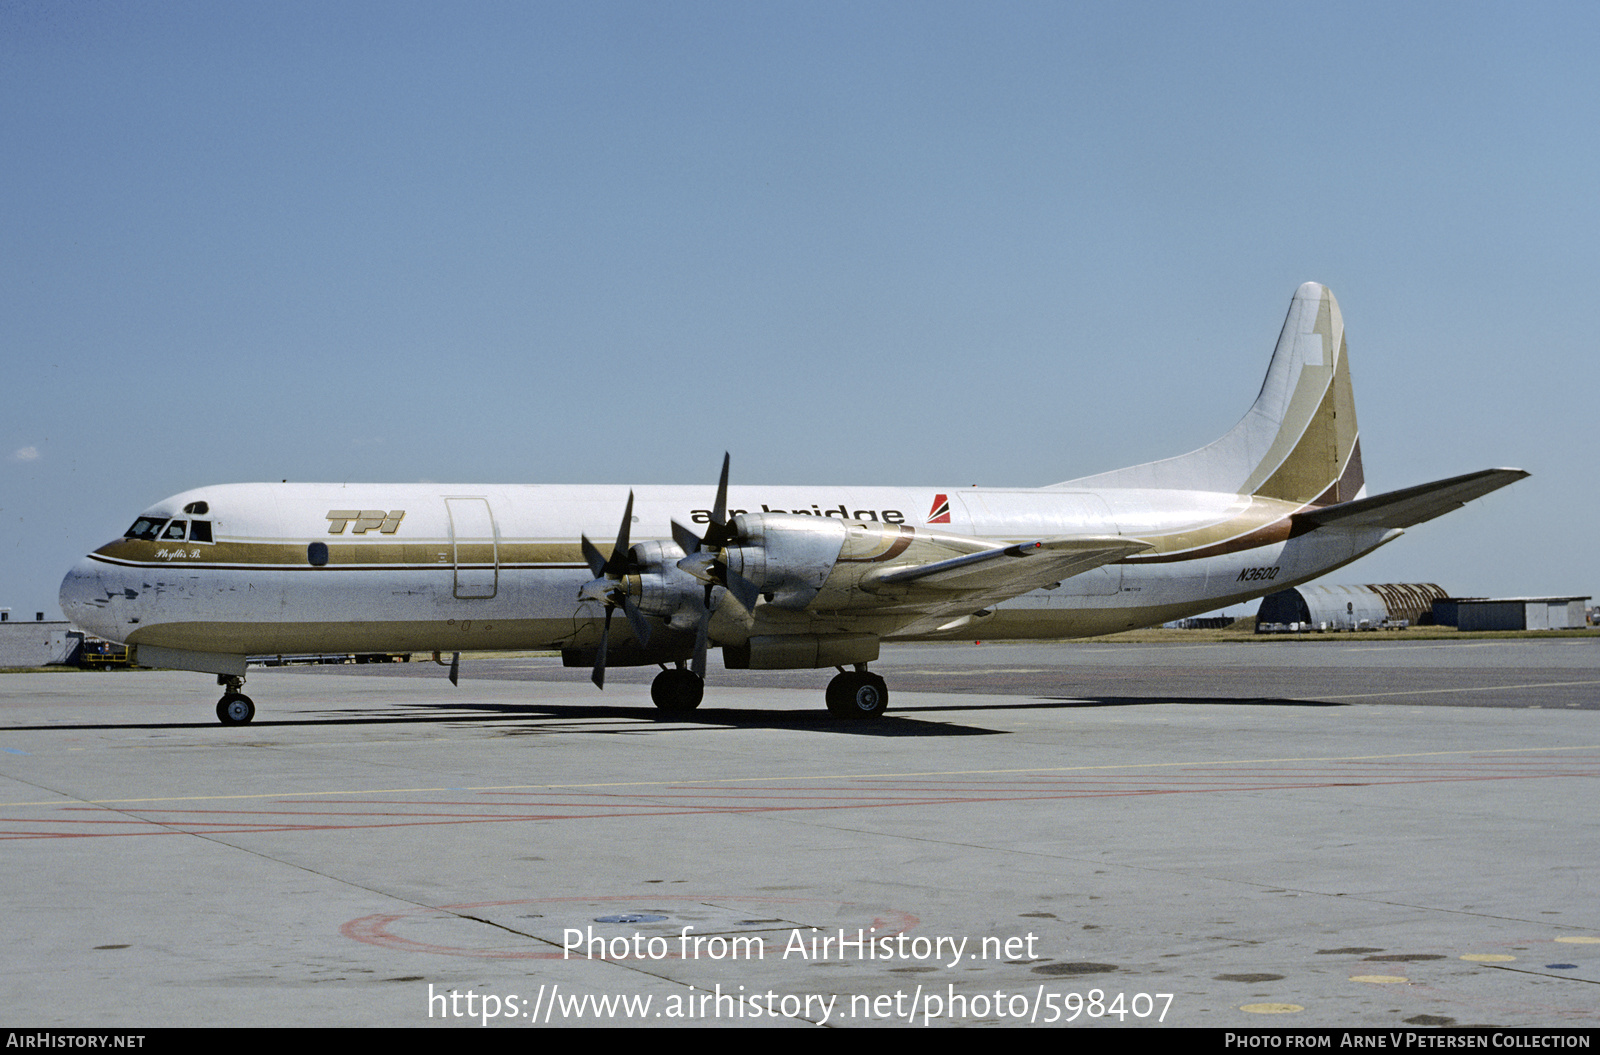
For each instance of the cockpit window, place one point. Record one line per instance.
(146, 528)
(153, 528)
(197, 508)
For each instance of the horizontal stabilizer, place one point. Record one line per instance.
(1412, 505)
(1015, 569)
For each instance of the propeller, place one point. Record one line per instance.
(703, 559)
(609, 587)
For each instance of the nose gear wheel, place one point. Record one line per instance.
(235, 708)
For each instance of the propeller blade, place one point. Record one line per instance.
(720, 532)
(617, 566)
(719, 512)
(687, 540)
(597, 563)
(743, 590)
(702, 634)
(698, 664)
(636, 619)
(599, 675)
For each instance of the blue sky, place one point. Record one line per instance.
(907, 243)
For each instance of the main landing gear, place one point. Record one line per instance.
(851, 694)
(677, 691)
(235, 708)
(857, 693)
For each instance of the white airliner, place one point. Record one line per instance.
(777, 577)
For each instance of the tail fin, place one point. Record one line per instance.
(1298, 442)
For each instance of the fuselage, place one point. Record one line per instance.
(253, 569)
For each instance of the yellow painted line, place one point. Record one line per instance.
(988, 671)
(921, 774)
(260, 745)
(1489, 957)
(1380, 979)
(1470, 688)
(1435, 644)
(980, 672)
(1271, 1009)
(1581, 940)
(1151, 646)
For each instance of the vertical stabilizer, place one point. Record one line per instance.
(1298, 442)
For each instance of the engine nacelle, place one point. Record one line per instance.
(800, 651)
(788, 556)
(664, 589)
(831, 564)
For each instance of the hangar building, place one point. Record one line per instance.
(1368, 607)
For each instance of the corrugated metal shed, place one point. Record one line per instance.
(1364, 607)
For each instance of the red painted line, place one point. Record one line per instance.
(612, 806)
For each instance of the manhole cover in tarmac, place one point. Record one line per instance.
(629, 917)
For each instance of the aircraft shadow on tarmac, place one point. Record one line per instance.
(900, 722)
(1237, 701)
(709, 719)
(893, 724)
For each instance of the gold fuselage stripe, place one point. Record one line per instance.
(1263, 522)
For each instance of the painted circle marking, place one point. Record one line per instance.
(374, 929)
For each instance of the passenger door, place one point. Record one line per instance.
(475, 549)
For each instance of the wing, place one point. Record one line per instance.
(1007, 571)
(940, 595)
(821, 576)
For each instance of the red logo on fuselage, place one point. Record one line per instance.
(940, 513)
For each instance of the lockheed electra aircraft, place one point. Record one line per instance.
(776, 577)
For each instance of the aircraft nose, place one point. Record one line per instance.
(86, 599)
